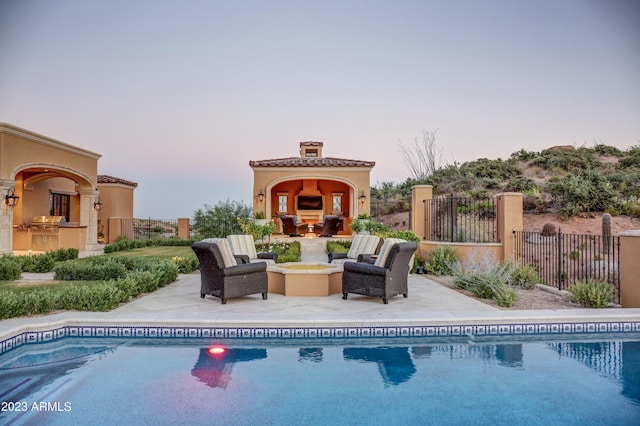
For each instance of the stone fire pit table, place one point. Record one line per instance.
(305, 279)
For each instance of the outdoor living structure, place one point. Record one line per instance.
(51, 194)
(311, 187)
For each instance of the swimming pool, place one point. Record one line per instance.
(463, 380)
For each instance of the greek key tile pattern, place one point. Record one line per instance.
(480, 330)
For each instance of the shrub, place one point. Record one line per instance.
(38, 263)
(9, 268)
(405, 235)
(64, 254)
(525, 276)
(548, 229)
(484, 277)
(98, 297)
(338, 246)
(441, 261)
(186, 264)
(592, 293)
(109, 269)
(505, 296)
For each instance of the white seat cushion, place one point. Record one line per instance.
(386, 249)
(243, 245)
(225, 251)
(363, 244)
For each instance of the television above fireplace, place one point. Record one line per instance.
(306, 202)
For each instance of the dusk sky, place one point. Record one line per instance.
(179, 96)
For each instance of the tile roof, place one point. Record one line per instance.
(111, 179)
(311, 162)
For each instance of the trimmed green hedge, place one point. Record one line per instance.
(121, 278)
(35, 263)
(124, 243)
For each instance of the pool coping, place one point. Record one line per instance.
(515, 323)
(431, 310)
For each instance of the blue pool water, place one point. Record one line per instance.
(323, 382)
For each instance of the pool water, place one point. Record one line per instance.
(322, 382)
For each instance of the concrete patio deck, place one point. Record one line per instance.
(428, 304)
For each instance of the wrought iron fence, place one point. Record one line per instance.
(146, 229)
(461, 219)
(396, 214)
(561, 259)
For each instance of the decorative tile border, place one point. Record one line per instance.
(477, 330)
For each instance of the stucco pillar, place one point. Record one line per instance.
(89, 218)
(630, 269)
(183, 228)
(509, 219)
(6, 218)
(420, 193)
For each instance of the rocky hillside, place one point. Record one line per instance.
(564, 180)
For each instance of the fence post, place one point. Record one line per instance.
(559, 271)
(183, 228)
(509, 219)
(629, 269)
(419, 193)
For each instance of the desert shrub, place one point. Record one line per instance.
(505, 296)
(10, 268)
(520, 184)
(592, 293)
(441, 261)
(589, 191)
(523, 155)
(525, 276)
(548, 229)
(484, 277)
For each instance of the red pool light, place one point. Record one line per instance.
(216, 350)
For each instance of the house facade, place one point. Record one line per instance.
(49, 193)
(311, 186)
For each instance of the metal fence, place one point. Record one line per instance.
(396, 214)
(561, 259)
(461, 219)
(146, 229)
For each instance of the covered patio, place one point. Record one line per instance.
(311, 187)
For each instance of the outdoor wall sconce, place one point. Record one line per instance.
(363, 198)
(260, 195)
(11, 199)
(97, 204)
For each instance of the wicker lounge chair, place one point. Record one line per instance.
(385, 278)
(243, 248)
(328, 227)
(291, 226)
(221, 276)
(360, 245)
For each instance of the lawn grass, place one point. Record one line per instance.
(161, 251)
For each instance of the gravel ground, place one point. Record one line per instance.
(537, 298)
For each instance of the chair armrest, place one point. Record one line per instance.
(269, 255)
(364, 268)
(241, 258)
(335, 255)
(244, 268)
(367, 258)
